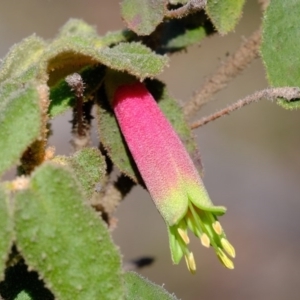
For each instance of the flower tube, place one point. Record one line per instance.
(170, 175)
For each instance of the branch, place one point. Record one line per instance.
(287, 93)
(191, 7)
(235, 64)
(81, 122)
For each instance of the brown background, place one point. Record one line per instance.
(251, 160)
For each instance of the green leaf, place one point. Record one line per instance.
(20, 121)
(280, 46)
(224, 14)
(78, 27)
(116, 37)
(142, 16)
(63, 98)
(134, 58)
(23, 59)
(62, 238)
(70, 53)
(139, 288)
(6, 225)
(23, 296)
(178, 34)
(87, 165)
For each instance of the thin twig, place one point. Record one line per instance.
(235, 64)
(76, 83)
(287, 93)
(191, 7)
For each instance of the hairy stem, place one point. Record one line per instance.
(272, 94)
(235, 64)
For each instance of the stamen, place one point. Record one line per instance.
(183, 235)
(228, 247)
(190, 262)
(205, 241)
(225, 260)
(217, 227)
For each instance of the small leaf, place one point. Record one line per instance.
(134, 58)
(20, 121)
(6, 225)
(177, 34)
(63, 98)
(280, 46)
(23, 296)
(23, 59)
(65, 240)
(139, 288)
(87, 165)
(142, 16)
(224, 14)
(77, 27)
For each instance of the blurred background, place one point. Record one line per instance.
(251, 160)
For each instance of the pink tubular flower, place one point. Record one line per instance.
(169, 174)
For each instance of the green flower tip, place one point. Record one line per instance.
(207, 228)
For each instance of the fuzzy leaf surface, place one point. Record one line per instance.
(280, 46)
(87, 165)
(139, 288)
(23, 59)
(134, 58)
(224, 14)
(62, 238)
(6, 225)
(142, 16)
(20, 121)
(178, 34)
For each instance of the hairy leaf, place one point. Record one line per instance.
(134, 58)
(6, 225)
(142, 16)
(87, 165)
(178, 34)
(280, 46)
(139, 288)
(77, 27)
(23, 59)
(20, 121)
(62, 238)
(224, 14)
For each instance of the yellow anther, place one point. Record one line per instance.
(225, 260)
(228, 247)
(217, 227)
(183, 235)
(190, 262)
(205, 241)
